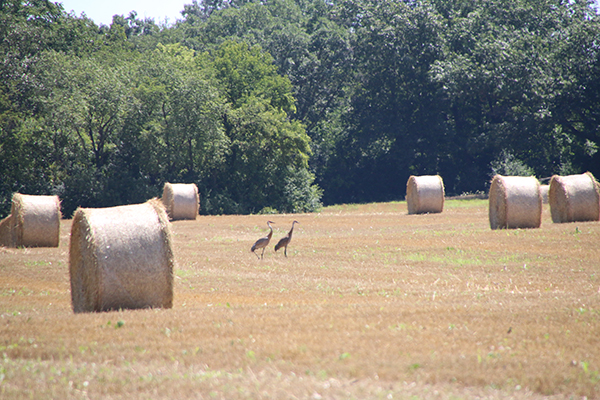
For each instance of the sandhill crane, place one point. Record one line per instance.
(263, 242)
(283, 242)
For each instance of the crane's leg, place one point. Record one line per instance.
(256, 255)
(263, 252)
(285, 251)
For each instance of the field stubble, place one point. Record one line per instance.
(370, 303)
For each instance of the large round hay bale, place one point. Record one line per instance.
(8, 238)
(181, 200)
(425, 194)
(35, 220)
(515, 202)
(121, 258)
(574, 198)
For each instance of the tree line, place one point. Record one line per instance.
(285, 105)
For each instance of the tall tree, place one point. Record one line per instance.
(394, 125)
(179, 116)
(27, 30)
(267, 163)
(576, 103)
(501, 73)
(82, 104)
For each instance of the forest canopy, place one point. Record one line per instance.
(285, 105)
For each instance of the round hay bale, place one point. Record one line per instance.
(425, 194)
(121, 258)
(181, 200)
(8, 237)
(574, 198)
(544, 192)
(515, 202)
(36, 220)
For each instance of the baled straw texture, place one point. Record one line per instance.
(181, 200)
(121, 258)
(425, 194)
(8, 237)
(574, 198)
(35, 220)
(515, 202)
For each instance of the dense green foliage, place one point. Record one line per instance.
(273, 105)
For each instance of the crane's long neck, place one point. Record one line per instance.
(291, 230)
(271, 232)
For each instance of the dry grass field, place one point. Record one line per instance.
(371, 303)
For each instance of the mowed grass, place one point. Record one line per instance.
(371, 303)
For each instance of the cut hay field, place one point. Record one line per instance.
(371, 303)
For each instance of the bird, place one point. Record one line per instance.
(283, 242)
(263, 242)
